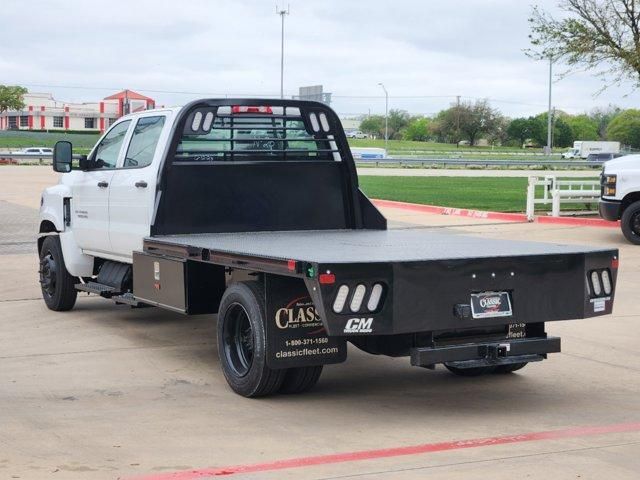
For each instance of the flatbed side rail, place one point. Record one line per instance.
(289, 267)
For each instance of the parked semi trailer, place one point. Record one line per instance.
(251, 209)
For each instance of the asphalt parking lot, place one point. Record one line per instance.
(105, 391)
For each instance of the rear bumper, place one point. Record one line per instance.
(484, 354)
(609, 209)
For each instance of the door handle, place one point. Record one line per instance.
(141, 184)
(103, 184)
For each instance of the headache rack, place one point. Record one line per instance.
(231, 133)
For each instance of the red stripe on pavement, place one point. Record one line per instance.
(508, 217)
(393, 452)
(460, 212)
(582, 222)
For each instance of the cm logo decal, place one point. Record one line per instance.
(359, 325)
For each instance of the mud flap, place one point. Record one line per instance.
(296, 336)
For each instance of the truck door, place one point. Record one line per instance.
(90, 207)
(133, 186)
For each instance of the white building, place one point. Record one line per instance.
(43, 112)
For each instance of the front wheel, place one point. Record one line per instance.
(57, 284)
(630, 223)
(242, 345)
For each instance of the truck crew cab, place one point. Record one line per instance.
(620, 200)
(251, 209)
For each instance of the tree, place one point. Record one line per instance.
(418, 129)
(11, 97)
(583, 127)
(562, 133)
(602, 117)
(476, 119)
(625, 128)
(523, 129)
(398, 120)
(373, 125)
(600, 35)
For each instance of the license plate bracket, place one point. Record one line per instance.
(491, 304)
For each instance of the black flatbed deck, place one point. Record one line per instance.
(359, 246)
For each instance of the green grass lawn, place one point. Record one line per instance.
(504, 194)
(13, 139)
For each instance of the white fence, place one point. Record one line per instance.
(556, 192)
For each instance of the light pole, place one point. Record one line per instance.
(549, 126)
(282, 13)
(386, 117)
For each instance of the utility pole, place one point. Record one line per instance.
(549, 126)
(282, 13)
(457, 121)
(386, 117)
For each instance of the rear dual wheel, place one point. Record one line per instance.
(242, 347)
(477, 371)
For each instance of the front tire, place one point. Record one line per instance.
(57, 284)
(630, 223)
(242, 341)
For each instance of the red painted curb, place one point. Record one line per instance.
(508, 217)
(393, 452)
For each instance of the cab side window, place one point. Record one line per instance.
(106, 153)
(144, 142)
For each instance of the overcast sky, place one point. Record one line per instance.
(417, 48)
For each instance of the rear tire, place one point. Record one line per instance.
(57, 284)
(630, 223)
(242, 341)
(510, 368)
(301, 379)
(469, 372)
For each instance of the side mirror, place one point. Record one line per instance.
(62, 157)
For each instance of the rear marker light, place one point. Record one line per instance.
(327, 278)
(606, 282)
(595, 283)
(251, 109)
(358, 296)
(374, 298)
(292, 265)
(341, 298)
(615, 263)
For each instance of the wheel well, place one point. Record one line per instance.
(628, 200)
(45, 227)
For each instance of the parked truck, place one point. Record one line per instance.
(582, 149)
(251, 209)
(620, 195)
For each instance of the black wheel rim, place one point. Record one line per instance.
(635, 223)
(238, 339)
(48, 274)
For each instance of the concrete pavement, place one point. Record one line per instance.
(105, 391)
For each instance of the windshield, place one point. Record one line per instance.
(276, 134)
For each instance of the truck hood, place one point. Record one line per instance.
(622, 163)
